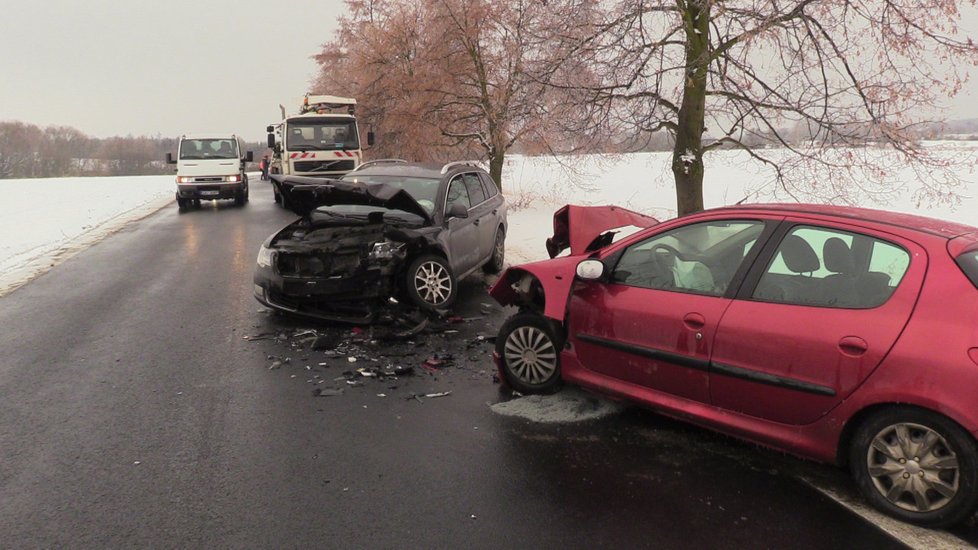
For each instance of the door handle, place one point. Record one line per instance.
(694, 321)
(853, 346)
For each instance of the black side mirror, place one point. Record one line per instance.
(458, 211)
(269, 128)
(370, 138)
(271, 140)
(250, 156)
(169, 159)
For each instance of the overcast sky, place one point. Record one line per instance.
(118, 67)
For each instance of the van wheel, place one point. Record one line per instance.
(239, 198)
(917, 466)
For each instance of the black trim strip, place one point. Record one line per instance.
(682, 360)
(771, 380)
(718, 368)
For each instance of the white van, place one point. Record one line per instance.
(210, 167)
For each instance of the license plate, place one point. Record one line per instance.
(209, 193)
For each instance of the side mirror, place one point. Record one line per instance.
(458, 211)
(370, 138)
(590, 270)
(169, 159)
(250, 156)
(271, 140)
(269, 128)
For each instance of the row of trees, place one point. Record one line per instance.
(448, 78)
(28, 151)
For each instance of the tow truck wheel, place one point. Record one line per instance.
(182, 204)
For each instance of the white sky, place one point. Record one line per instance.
(118, 67)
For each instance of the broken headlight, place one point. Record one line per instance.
(386, 250)
(265, 257)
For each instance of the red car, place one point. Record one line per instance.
(844, 335)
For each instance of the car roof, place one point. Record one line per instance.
(913, 222)
(414, 169)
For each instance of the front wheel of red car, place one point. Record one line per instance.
(916, 465)
(529, 349)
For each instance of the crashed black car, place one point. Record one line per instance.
(390, 229)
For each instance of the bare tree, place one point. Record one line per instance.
(442, 76)
(819, 79)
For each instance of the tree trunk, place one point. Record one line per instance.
(496, 168)
(687, 156)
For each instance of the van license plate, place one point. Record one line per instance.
(209, 193)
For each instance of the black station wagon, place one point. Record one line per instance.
(390, 229)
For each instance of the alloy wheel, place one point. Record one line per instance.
(531, 355)
(913, 467)
(433, 283)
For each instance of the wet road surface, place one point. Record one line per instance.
(142, 406)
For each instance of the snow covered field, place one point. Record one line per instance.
(48, 220)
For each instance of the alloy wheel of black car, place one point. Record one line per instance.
(529, 348)
(430, 282)
(917, 466)
(495, 263)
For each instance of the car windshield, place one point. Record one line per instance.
(322, 134)
(424, 190)
(196, 149)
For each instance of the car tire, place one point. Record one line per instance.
(529, 347)
(239, 198)
(495, 263)
(430, 283)
(937, 489)
(183, 204)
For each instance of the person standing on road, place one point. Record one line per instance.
(264, 167)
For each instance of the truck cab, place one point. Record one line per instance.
(210, 167)
(323, 140)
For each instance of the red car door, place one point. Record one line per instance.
(816, 316)
(653, 324)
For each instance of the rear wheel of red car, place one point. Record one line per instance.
(529, 348)
(916, 465)
(431, 283)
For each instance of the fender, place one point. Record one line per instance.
(555, 278)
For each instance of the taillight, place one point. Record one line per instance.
(235, 178)
(184, 179)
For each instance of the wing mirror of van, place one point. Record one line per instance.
(169, 159)
(249, 156)
(370, 138)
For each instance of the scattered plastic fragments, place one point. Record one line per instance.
(327, 392)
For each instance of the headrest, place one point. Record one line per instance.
(837, 256)
(798, 255)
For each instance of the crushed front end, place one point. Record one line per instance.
(335, 273)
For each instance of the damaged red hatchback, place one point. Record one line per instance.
(844, 335)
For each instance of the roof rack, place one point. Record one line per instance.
(475, 163)
(380, 161)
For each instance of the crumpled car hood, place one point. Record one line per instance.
(578, 227)
(304, 194)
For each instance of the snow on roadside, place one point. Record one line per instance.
(46, 221)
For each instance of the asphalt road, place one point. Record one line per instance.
(149, 400)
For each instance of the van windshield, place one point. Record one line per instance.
(197, 149)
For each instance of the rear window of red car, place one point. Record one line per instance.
(968, 262)
(964, 250)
